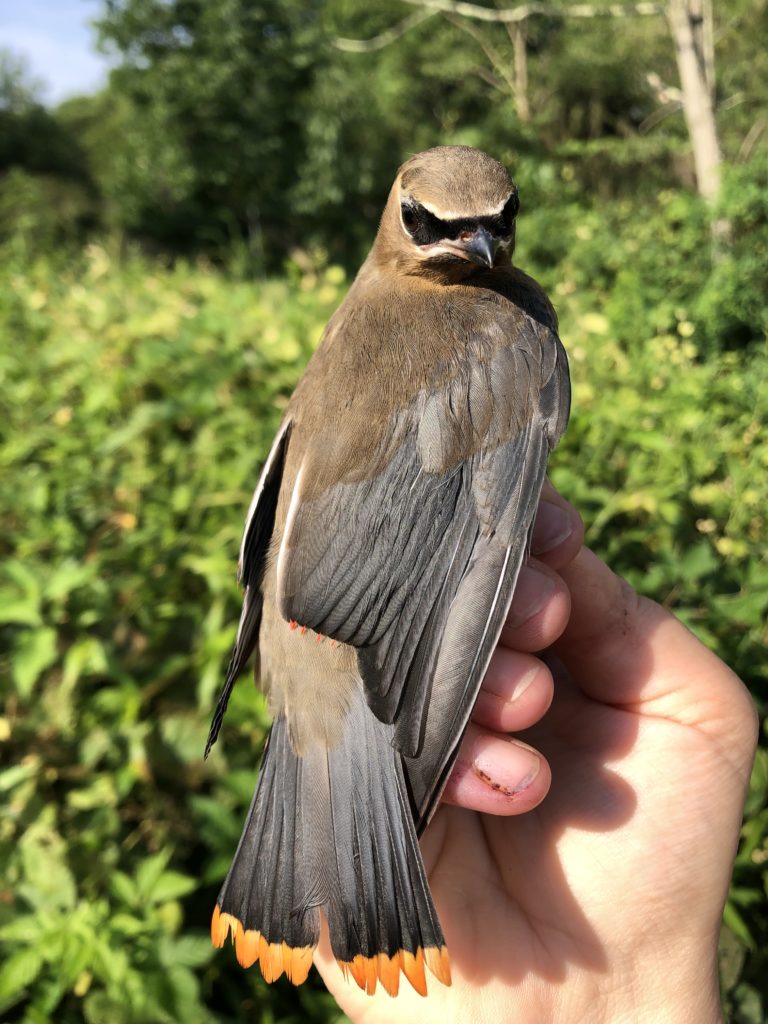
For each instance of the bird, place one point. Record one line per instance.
(378, 563)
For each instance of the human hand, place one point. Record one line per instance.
(603, 902)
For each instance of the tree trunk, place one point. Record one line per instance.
(521, 73)
(686, 20)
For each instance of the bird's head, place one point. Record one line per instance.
(452, 209)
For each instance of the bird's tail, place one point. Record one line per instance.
(332, 831)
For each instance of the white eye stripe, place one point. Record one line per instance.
(465, 214)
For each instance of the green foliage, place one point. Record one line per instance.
(136, 405)
(651, 258)
(39, 212)
(20, 90)
(733, 304)
(213, 108)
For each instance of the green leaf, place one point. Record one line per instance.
(22, 576)
(172, 885)
(185, 735)
(101, 793)
(149, 871)
(84, 656)
(34, 652)
(48, 881)
(25, 929)
(66, 577)
(697, 561)
(732, 955)
(23, 613)
(738, 925)
(187, 950)
(124, 889)
(19, 970)
(142, 418)
(14, 776)
(758, 784)
(216, 818)
(186, 989)
(99, 1008)
(127, 924)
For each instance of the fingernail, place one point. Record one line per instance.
(510, 774)
(552, 526)
(533, 590)
(522, 684)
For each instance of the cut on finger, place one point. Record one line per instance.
(494, 774)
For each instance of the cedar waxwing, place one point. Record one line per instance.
(379, 559)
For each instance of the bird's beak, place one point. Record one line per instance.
(478, 246)
(475, 246)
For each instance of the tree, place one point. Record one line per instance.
(690, 23)
(213, 115)
(19, 88)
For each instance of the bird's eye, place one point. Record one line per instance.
(410, 216)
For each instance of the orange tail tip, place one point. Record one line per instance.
(218, 934)
(413, 969)
(438, 962)
(355, 968)
(367, 971)
(247, 947)
(274, 957)
(297, 961)
(388, 970)
(270, 959)
(221, 925)
(364, 971)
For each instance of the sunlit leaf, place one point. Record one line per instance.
(35, 651)
(19, 970)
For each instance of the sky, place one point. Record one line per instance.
(58, 43)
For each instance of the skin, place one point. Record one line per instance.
(602, 902)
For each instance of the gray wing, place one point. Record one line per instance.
(416, 565)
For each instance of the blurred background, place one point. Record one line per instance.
(185, 189)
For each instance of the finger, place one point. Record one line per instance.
(497, 775)
(516, 692)
(558, 532)
(539, 611)
(626, 650)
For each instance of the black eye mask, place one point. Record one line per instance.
(426, 229)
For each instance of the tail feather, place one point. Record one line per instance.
(332, 831)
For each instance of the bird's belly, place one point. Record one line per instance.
(309, 678)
